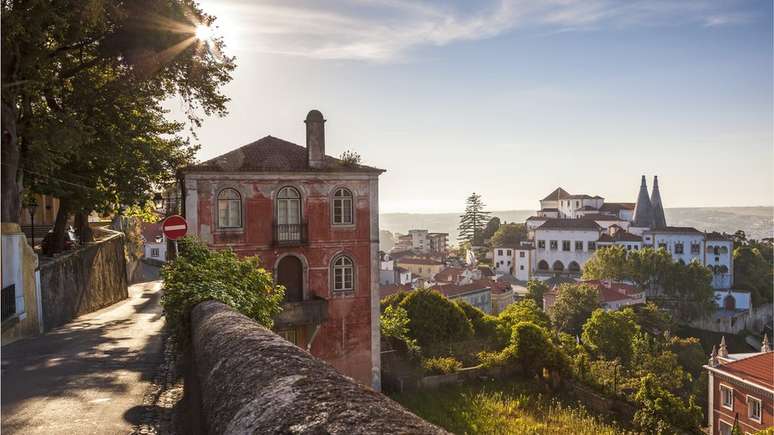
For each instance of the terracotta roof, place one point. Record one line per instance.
(391, 289)
(500, 287)
(569, 224)
(271, 154)
(757, 369)
(615, 291)
(718, 236)
(486, 271)
(620, 236)
(601, 217)
(415, 260)
(449, 274)
(151, 231)
(616, 206)
(452, 290)
(556, 195)
(678, 230)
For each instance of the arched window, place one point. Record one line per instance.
(729, 303)
(229, 209)
(574, 266)
(342, 207)
(716, 250)
(288, 215)
(724, 269)
(543, 265)
(558, 266)
(343, 274)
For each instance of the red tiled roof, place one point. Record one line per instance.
(452, 290)
(601, 217)
(556, 195)
(151, 231)
(758, 369)
(616, 206)
(271, 154)
(616, 291)
(449, 274)
(569, 224)
(391, 289)
(678, 230)
(415, 260)
(620, 236)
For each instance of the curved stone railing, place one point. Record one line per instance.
(248, 380)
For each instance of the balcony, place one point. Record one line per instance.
(289, 234)
(311, 312)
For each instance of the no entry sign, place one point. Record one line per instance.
(174, 227)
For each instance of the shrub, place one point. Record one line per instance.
(394, 325)
(573, 306)
(661, 412)
(393, 300)
(522, 311)
(530, 348)
(610, 334)
(435, 319)
(199, 274)
(484, 325)
(441, 365)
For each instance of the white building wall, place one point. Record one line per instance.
(671, 240)
(160, 249)
(503, 261)
(551, 256)
(719, 253)
(523, 264)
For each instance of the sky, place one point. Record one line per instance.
(511, 99)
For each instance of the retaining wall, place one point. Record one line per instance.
(242, 378)
(83, 280)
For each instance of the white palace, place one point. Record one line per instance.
(568, 228)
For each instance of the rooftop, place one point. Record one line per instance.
(556, 195)
(569, 224)
(271, 154)
(417, 260)
(453, 290)
(677, 230)
(756, 369)
(620, 236)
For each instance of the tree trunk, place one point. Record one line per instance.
(85, 233)
(56, 240)
(10, 187)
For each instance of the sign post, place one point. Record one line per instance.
(174, 227)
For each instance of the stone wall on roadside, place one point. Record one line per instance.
(84, 280)
(241, 378)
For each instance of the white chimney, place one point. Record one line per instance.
(315, 139)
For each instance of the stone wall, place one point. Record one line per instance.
(83, 281)
(242, 378)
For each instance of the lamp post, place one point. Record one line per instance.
(32, 205)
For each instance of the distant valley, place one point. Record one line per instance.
(757, 222)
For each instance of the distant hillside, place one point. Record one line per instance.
(757, 222)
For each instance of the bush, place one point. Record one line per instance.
(610, 333)
(530, 348)
(199, 274)
(434, 319)
(661, 412)
(484, 325)
(573, 306)
(526, 310)
(394, 325)
(441, 365)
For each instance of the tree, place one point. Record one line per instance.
(607, 263)
(652, 319)
(490, 229)
(394, 324)
(661, 412)
(530, 348)
(81, 101)
(509, 235)
(472, 222)
(435, 319)
(610, 334)
(522, 311)
(687, 291)
(535, 291)
(753, 272)
(574, 304)
(647, 268)
(484, 325)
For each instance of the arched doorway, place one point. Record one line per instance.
(543, 265)
(290, 273)
(558, 266)
(729, 303)
(574, 267)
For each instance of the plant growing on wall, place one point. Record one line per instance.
(350, 158)
(199, 274)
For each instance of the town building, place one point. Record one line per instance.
(421, 267)
(740, 390)
(154, 242)
(314, 222)
(477, 293)
(516, 260)
(612, 295)
(423, 242)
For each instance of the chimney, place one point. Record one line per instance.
(315, 139)
(659, 221)
(643, 211)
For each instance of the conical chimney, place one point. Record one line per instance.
(643, 211)
(659, 220)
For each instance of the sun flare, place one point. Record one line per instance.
(203, 33)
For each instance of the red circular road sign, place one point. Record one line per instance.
(174, 227)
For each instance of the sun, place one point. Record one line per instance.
(203, 33)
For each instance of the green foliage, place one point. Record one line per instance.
(501, 408)
(652, 319)
(753, 271)
(609, 333)
(523, 311)
(574, 304)
(350, 158)
(146, 212)
(199, 274)
(530, 348)
(435, 319)
(484, 325)
(608, 263)
(394, 323)
(689, 352)
(688, 291)
(441, 365)
(535, 291)
(661, 412)
(393, 300)
(473, 221)
(509, 235)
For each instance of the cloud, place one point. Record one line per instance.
(388, 30)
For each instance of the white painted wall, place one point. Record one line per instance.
(559, 235)
(720, 253)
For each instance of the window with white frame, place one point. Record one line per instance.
(579, 245)
(565, 245)
(155, 252)
(229, 209)
(754, 409)
(343, 274)
(342, 207)
(727, 397)
(541, 244)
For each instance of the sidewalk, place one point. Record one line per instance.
(89, 376)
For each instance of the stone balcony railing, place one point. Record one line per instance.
(311, 312)
(242, 378)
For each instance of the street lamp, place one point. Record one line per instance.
(32, 205)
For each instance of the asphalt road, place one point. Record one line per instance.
(86, 377)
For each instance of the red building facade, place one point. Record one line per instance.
(313, 221)
(741, 391)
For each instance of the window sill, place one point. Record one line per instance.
(343, 226)
(341, 294)
(239, 230)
